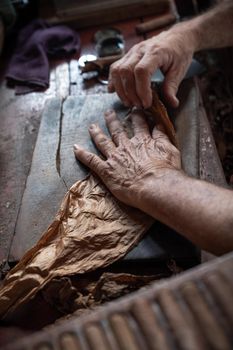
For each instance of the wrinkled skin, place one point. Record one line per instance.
(171, 51)
(129, 162)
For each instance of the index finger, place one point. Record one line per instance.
(139, 124)
(115, 127)
(143, 72)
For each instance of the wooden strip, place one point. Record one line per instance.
(182, 328)
(44, 347)
(154, 335)
(212, 331)
(223, 294)
(20, 118)
(210, 166)
(124, 335)
(96, 338)
(44, 189)
(187, 125)
(72, 127)
(69, 341)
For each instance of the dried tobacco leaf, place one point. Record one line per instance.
(91, 230)
(67, 296)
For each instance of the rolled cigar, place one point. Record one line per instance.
(155, 23)
(100, 63)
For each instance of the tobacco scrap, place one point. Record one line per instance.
(68, 295)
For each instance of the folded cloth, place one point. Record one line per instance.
(29, 67)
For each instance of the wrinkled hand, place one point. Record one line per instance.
(130, 77)
(129, 162)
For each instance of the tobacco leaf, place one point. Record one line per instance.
(91, 230)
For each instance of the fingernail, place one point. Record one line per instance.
(176, 102)
(92, 126)
(146, 104)
(109, 111)
(76, 147)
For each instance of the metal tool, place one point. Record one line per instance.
(195, 68)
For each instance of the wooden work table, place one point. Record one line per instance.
(20, 120)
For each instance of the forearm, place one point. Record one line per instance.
(213, 29)
(198, 210)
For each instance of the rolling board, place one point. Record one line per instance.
(54, 169)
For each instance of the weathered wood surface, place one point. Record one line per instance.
(186, 120)
(44, 187)
(20, 119)
(209, 162)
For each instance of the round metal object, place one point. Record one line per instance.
(86, 58)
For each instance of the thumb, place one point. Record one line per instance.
(170, 87)
(171, 84)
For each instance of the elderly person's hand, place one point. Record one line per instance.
(171, 51)
(129, 163)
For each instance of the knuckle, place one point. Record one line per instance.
(116, 134)
(172, 83)
(140, 70)
(125, 70)
(102, 140)
(92, 161)
(114, 70)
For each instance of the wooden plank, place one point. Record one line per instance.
(210, 166)
(44, 189)
(82, 15)
(54, 168)
(186, 120)
(20, 119)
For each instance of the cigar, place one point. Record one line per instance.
(156, 23)
(100, 63)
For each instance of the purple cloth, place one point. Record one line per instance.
(29, 66)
